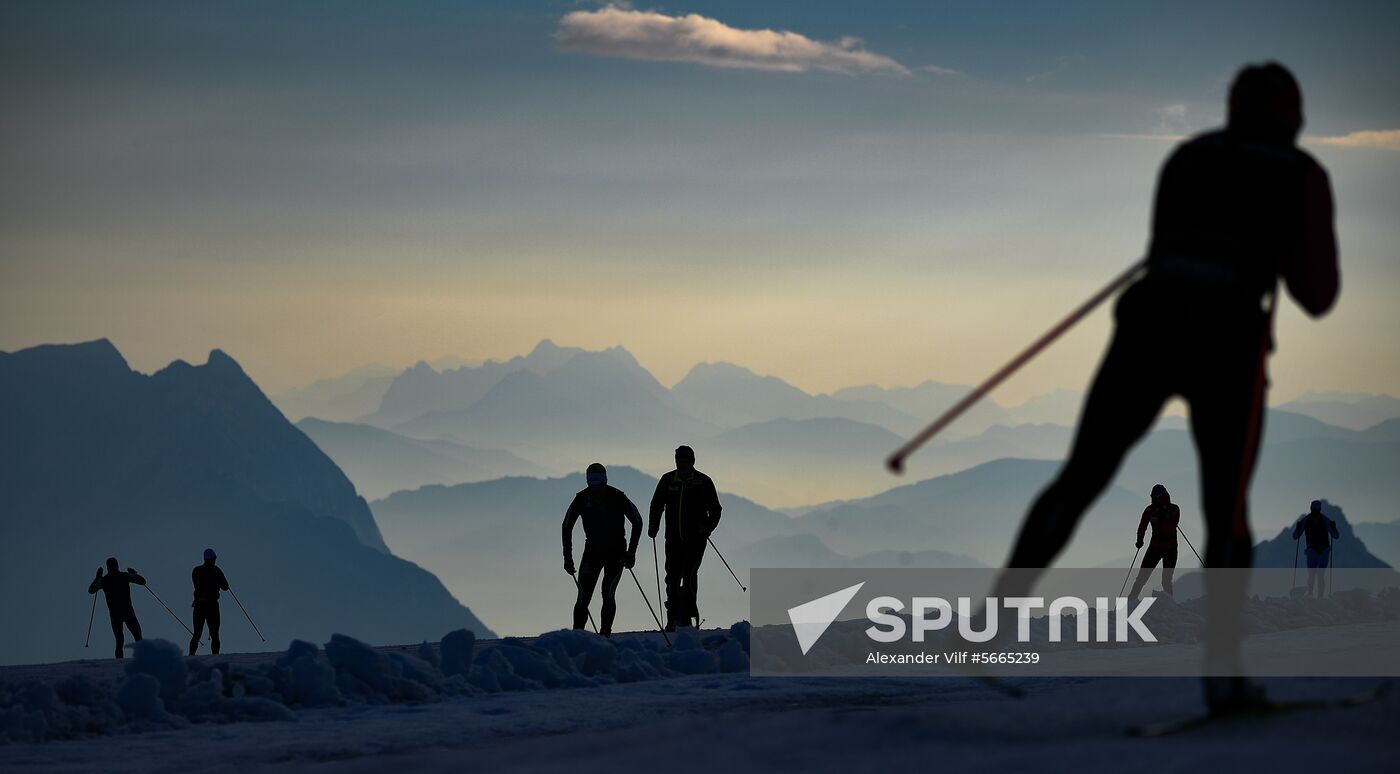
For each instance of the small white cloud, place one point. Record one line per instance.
(944, 71)
(1385, 139)
(622, 32)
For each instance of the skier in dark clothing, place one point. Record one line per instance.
(208, 581)
(1236, 209)
(690, 503)
(605, 550)
(1163, 515)
(1319, 532)
(116, 587)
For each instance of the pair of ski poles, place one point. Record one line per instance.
(1133, 563)
(650, 609)
(93, 613)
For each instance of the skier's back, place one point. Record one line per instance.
(115, 586)
(1236, 210)
(607, 550)
(208, 580)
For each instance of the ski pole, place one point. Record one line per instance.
(245, 615)
(896, 461)
(91, 615)
(1130, 571)
(726, 564)
(1293, 584)
(656, 565)
(654, 617)
(171, 612)
(1188, 544)
(590, 612)
(1331, 570)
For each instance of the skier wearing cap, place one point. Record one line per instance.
(116, 588)
(1163, 515)
(208, 580)
(1237, 209)
(691, 506)
(605, 551)
(1319, 531)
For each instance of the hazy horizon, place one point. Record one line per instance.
(314, 190)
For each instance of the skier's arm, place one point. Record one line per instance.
(96, 583)
(135, 577)
(223, 581)
(1297, 529)
(1311, 271)
(1332, 527)
(1142, 525)
(634, 519)
(658, 504)
(570, 516)
(715, 507)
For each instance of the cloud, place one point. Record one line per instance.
(622, 32)
(1386, 139)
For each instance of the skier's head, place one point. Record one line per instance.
(209, 555)
(1316, 506)
(597, 474)
(685, 458)
(112, 564)
(1266, 105)
(1160, 494)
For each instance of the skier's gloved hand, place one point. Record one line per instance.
(132, 570)
(569, 566)
(1139, 543)
(630, 560)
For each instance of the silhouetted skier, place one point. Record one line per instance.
(1319, 532)
(1236, 209)
(1163, 515)
(603, 509)
(691, 505)
(116, 587)
(208, 580)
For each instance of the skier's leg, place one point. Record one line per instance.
(117, 632)
(198, 629)
(1149, 561)
(612, 575)
(213, 616)
(692, 580)
(1325, 559)
(1120, 408)
(587, 578)
(675, 572)
(1168, 570)
(134, 625)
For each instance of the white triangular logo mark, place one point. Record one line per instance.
(811, 619)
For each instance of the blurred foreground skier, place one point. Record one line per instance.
(1319, 532)
(116, 588)
(691, 506)
(1163, 515)
(208, 580)
(605, 550)
(1236, 209)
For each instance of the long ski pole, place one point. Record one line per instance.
(656, 565)
(654, 617)
(896, 461)
(726, 564)
(1188, 544)
(590, 612)
(91, 615)
(1131, 565)
(1293, 584)
(245, 615)
(171, 612)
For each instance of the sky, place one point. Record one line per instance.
(835, 193)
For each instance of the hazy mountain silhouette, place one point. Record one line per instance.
(98, 460)
(595, 405)
(807, 550)
(929, 399)
(1058, 407)
(1355, 411)
(423, 389)
(1349, 550)
(728, 395)
(338, 399)
(380, 462)
(1382, 539)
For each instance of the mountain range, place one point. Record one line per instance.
(98, 460)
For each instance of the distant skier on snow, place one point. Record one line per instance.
(1163, 515)
(208, 580)
(691, 506)
(1319, 532)
(605, 551)
(116, 588)
(1236, 209)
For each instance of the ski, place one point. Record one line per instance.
(1265, 710)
